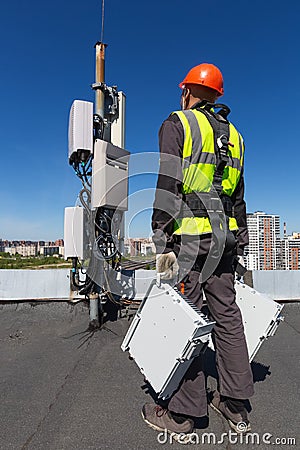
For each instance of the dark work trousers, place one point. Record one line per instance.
(232, 361)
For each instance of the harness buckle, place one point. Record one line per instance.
(215, 205)
(222, 141)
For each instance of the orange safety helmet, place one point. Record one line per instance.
(206, 74)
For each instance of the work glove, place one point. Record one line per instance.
(167, 266)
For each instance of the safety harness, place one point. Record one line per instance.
(214, 204)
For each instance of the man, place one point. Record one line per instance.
(199, 223)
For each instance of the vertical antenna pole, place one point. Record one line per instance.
(100, 77)
(99, 110)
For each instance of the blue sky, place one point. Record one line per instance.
(47, 61)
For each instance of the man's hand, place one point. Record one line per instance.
(167, 266)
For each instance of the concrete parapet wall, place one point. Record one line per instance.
(278, 284)
(34, 284)
(55, 284)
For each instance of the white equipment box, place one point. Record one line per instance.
(118, 125)
(168, 331)
(261, 316)
(110, 176)
(75, 233)
(80, 128)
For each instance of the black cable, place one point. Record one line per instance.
(105, 231)
(85, 204)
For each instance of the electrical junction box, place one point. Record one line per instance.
(110, 176)
(75, 233)
(167, 332)
(80, 130)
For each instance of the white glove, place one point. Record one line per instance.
(167, 266)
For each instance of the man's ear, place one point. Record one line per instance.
(187, 94)
(185, 97)
(187, 91)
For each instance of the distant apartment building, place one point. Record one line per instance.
(291, 251)
(264, 251)
(139, 246)
(23, 250)
(52, 248)
(33, 248)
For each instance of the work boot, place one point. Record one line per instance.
(234, 412)
(161, 419)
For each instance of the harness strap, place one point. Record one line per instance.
(214, 204)
(220, 126)
(198, 203)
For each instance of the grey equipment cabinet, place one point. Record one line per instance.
(167, 332)
(261, 316)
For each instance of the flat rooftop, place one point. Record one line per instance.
(63, 387)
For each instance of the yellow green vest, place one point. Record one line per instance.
(199, 164)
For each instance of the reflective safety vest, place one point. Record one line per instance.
(199, 164)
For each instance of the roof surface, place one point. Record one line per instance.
(64, 388)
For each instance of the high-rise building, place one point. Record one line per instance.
(291, 252)
(264, 249)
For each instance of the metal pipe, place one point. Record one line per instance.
(95, 273)
(99, 110)
(100, 77)
(94, 310)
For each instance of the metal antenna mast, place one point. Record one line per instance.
(102, 167)
(99, 111)
(100, 70)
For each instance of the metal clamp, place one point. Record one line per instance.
(111, 97)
